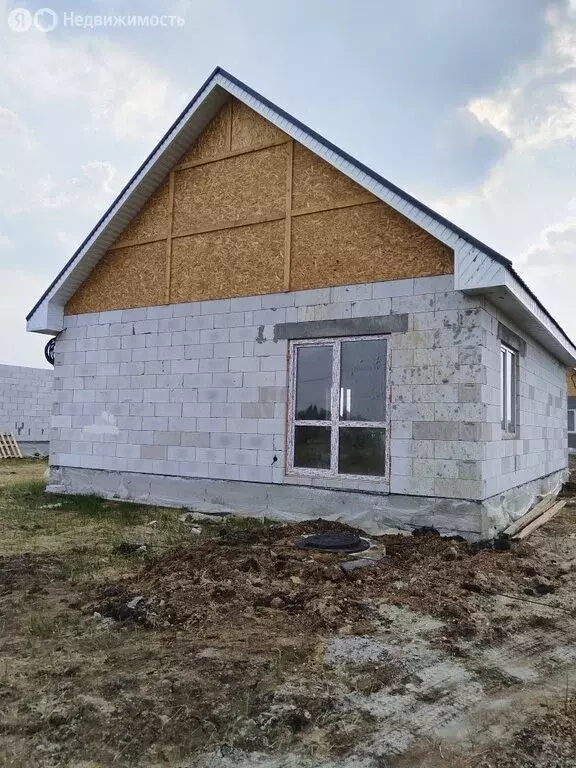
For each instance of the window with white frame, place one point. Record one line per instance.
(338, 414)
(509, 389)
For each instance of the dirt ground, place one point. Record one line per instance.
(141, 636)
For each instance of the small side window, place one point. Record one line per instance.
(571, 421)
(509, 390)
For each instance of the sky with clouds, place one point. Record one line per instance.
(469, 106)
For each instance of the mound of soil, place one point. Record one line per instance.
(259, 575)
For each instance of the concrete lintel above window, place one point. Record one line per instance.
(511, 339)
(350, 326)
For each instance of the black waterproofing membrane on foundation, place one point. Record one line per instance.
(334, 541)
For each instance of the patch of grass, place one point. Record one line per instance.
(43, 627)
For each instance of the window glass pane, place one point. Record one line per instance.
(571, 421)
(510, 386)
(313, 382)
(312, 447)
(362, 451)
(363, 380)
(503, 388)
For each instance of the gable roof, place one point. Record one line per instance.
(478, 268)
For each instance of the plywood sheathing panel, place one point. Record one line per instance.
(251, 186)
(249, 129)
(362, 244)
(235, 262)
(151, 222)
(124, 278)
(571, 382)
(317, 184)
(214, 140)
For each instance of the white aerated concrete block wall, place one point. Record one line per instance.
(26, 396)
(542, 445)
(199, 390)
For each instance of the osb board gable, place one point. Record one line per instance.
(152, 221)
(249, 129)
(362, 244)
(233, 262)
(214, 139)
(318, 184)
(124, 278)
(239, 188)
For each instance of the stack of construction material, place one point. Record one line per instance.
(544, 511)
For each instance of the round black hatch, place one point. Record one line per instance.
(334, 541)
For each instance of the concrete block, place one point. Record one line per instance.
(226, 410)
(229, 380)
(172, 324)
(244, 364)
(197, 351)
(211, 425)
(196, 409)
(133, 315)
(183, 424)
(153, 452)
(437, 284)
(256, 474)
(459, 450)
(160, 313)
(436, 430)
(171, 437)
(196, 439)
(224, 471)
(437, 394)
(224, 440)
(414, 486)
(257, 410)
(246, 303)
(211, 455)
(244, 395)
(229, 321)
(392, 288)
(189, 309)
(199, 323)
(407, 448)
(312, 297)
(180, 453)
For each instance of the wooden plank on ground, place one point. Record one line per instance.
(540, 521)
(535, 512)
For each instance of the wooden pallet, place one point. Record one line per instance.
(9, 448)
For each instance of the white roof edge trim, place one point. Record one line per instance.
(49, 319)
(488, 276)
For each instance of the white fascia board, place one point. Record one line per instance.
(478, 273)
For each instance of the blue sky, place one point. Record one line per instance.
(469, 106)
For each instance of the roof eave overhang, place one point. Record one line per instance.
(496, 279)
(477, 274)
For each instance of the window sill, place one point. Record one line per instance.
(510, 435)
(340, 482)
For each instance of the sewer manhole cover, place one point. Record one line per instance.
(334, 542)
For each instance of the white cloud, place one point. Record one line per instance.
(529, 191)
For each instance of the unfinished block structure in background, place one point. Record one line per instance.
(259, 322)
(26, 396)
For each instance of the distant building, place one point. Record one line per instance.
(26, 396)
